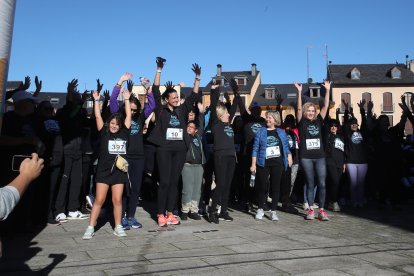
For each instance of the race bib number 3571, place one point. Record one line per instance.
(174, 134)
(117, 146)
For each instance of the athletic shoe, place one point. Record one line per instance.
(61, 218)
(184, 216)
(225, 217)
(90, 199)
(310, 214)
(334, 206)
(213, 218)
(315, 206)
(194, 216)
(305, 206)
(274, 216)
(172, 220)
(134, 223)
(259, 214)
(53, 222)
(77, 215)
(162, 220)
(322, 215)
(90, 231)
(119, 231)
(125, 223)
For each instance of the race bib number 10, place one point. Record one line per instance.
(313, 144)
(117, 146)
(174, 134)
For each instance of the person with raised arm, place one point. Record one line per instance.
(114, 135)
(311, 150)
(172, 141)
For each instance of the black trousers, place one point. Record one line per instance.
(334, 179)
(136, 171)
(70, 185)
(170, 165)
(223, 170)
(262, 183)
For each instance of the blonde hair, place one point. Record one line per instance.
(220, 110)
(276, 116)
(306, 106)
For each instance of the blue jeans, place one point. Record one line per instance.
(310, 166)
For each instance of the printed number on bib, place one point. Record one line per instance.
(117, 147)
(339, 144)
(313, 144)
(174, 134)
(272, 152)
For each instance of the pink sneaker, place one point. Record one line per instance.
(162, 220)
(310, 214)
(323, 216)
(172, 220)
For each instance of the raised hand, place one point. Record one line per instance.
(279, 99)
(169, 85)
(130, 85)
(72, 86)
(98, 85)
(403, 101)
(96, 95)
(106, 95)
(160, 62)
(234, 86)
(404, 108)
(197, 70)
(126, 76)
(200, 107)
(361, 104)
(370, 106)
(38, 85)
(298, 87)
(327, 84)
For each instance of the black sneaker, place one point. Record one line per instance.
(225, 217)
(213, 218)
(194, 216)
(184, 216)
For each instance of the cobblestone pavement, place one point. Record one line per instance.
(354, 242)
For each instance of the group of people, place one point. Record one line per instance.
(199, 159)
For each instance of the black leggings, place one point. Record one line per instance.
(170, 165)
(334, 180)
(262, 181)
(223, 170)
(136, 171)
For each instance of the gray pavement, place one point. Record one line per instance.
(368, 242)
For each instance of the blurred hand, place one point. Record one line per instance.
(106, 95)
(98, 85)
(197, 70)
(31, 167)
(38, 86)
(160, 62)
(130, 85)
(298, 87)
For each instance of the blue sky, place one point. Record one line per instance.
(89, 39)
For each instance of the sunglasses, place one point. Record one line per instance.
(134, 110)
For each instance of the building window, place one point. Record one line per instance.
(367, 97)
(54, 100)
(270, 94)
(408, 96)
(395, 73)
(241, 81)
(355, 74)
(387, 105)
(314, 92)
(345, 97)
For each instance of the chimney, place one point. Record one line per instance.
(406, 62)
(218, 70)
(254, 69)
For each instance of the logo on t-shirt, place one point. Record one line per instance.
(313, 130)
(356, 138)
(272, 141)
(134, 128)
(255, 127)
(195, 142)
(229, 131)
(174, 121)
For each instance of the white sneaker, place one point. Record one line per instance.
(315, 206)
(119, 231)
(305, 206)
(259, 214)
(61, 217)
(77, 215)
(90, 231)
(274, 216)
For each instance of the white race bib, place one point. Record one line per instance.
(272, 152)
(174, 134)
(313, 144)
(117, 146)
(339, 144)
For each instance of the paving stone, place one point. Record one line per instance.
(385, 259)
(190, 253)
(323, 272)
(209, 243)
(244, 258)
(371, 269)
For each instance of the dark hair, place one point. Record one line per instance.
(118, 118)
(193, 122)
(167, 93)
(289, 121)
(135, 101)
(332, 122)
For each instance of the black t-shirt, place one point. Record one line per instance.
(356, 149)
(293, 144)
(112, 144)
(249, 131)
(310, 134)
(274, 149)
(136, 143)
(335, 150)
(194, 155)
(223, 139)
